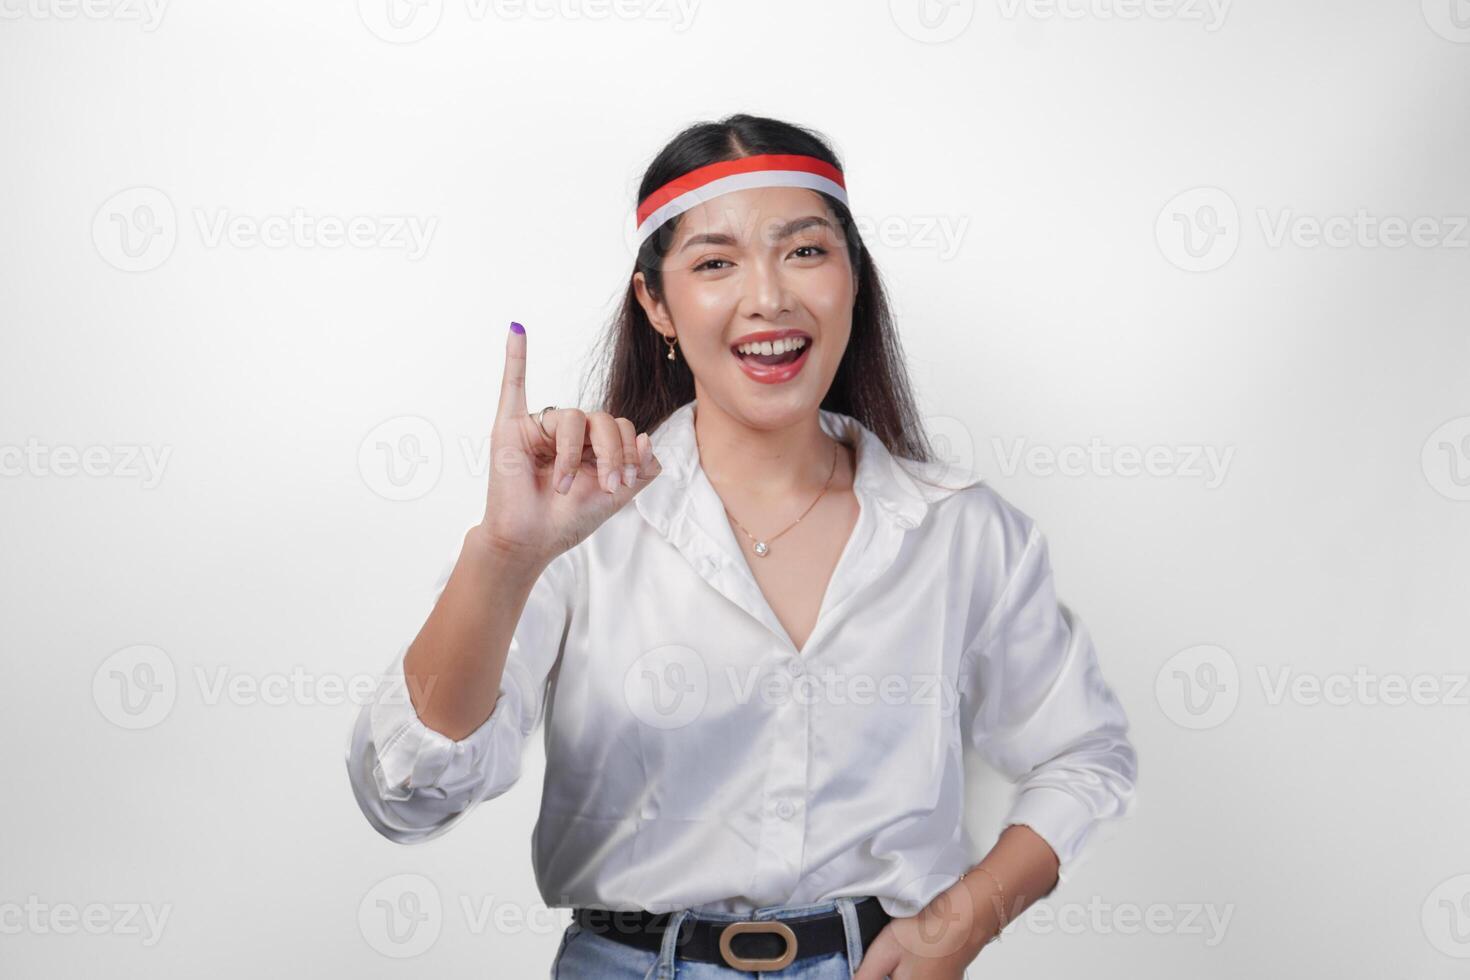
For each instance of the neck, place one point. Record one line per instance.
(765, 463)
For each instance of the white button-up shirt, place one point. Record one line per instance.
(696, 759)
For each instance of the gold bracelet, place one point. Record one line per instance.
(1000, 893)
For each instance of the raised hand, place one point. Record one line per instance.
(548, 492)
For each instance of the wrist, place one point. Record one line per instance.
(484, 546)
(986, 901)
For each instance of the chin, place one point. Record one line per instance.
(775, 409)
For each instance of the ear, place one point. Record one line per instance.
(657, 312)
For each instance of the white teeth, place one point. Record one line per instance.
(773, 347)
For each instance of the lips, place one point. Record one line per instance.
(772, 368)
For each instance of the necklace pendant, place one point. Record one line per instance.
(761, 548)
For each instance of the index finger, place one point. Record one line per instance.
(513, 380)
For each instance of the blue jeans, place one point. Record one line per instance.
(586, 955)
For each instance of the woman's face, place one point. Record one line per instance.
(747, 265)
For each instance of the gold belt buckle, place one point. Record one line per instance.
(758, 925)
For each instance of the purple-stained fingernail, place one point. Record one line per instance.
(517, 327)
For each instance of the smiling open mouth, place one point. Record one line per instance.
(772, 353)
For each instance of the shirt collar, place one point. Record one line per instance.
(882, 478)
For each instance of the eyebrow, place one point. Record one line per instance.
(783, 232)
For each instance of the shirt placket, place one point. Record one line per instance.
(708, 542)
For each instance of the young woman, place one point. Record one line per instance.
(756, 681)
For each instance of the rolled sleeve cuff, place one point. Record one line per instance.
(410, 753)
(412, 757)
(1060, 819)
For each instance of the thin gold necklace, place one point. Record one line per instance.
(763, 548)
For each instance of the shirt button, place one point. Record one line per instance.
(796, 668)
(907, 522)
(785, 808)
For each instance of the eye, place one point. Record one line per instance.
(707, 263)
(819, 250)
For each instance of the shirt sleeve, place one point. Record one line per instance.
(413, 783)
(1037, 708)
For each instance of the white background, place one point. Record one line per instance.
(1053, 143)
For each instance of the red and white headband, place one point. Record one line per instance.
(763, 170)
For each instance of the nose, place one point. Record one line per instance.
(766, 292)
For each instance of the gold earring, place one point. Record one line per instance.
(671, 348)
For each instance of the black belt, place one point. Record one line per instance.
(747, 944)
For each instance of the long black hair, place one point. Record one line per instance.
(639, 383)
